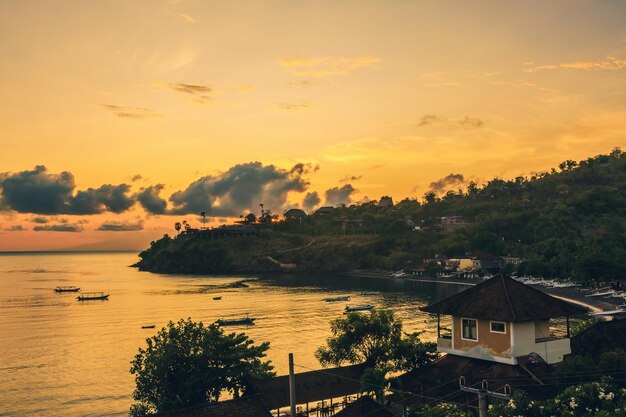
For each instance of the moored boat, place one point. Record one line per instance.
(87, 296)
(358, 308)
(148, 326)
(236, 322)
(335, 299)
(217, 298)
(370, 292)
(68, 288)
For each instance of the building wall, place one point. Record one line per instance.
(496, 344)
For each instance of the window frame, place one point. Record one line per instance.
(463, 333)
(495, 331)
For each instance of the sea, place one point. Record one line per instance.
(63, 357)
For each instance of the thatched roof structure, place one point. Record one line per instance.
(311, 386)
(505, 299)
(365, 406)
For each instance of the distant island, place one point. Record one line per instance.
(568, 222)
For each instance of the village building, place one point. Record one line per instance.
(325, 210)
(449, 224)
(294, 213)
(501, 320)
(487, 262)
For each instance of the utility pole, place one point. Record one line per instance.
(483, 394)
(292, 387)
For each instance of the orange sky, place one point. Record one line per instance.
(385, 96)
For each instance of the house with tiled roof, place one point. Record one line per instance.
(501, 320)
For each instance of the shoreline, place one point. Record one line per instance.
(572, 295)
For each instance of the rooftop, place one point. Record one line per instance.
(503, 298)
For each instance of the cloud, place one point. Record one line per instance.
(302, 168)
(40, 192)
(40, 220)
(171, 8)
(434, 120)
(136, 177)
(339, 195)
(64, 227)
(610, 63)
(350, 178)
(328, 66)
(239, 189)
(200, 93)
(129, 112)
(300, 84)
(112, 226)
(311, 200)
(15, 228)
(151, 201)
(447, 182)
(292, 106)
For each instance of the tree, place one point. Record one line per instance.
(187, 363)
(376, 339)
(375, 381)
(177, 226)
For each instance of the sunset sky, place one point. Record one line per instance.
(109, 108)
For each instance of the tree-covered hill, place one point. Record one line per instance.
(569, 222)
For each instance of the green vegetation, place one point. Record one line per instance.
(377, 339)
(569, 222)
(188, 363)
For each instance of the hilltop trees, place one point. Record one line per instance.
(188, 363)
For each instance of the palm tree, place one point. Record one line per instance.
(203, 214)
(375, 381)
(177, 226)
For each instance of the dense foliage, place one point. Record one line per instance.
(569, 222)
(375, 338)
(188, 363)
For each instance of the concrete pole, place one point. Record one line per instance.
(292, 386)
(482, 403)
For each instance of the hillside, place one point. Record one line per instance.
(569, 222)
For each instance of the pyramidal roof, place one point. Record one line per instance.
(505, 299)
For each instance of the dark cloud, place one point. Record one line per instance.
(112, 226)
(350, 178)
(199, 92)
(240, 189)
(65, 227)
(447, 182)
(40, 220)
(428, 119)
(303, 169)
(311, 200)
(151, 201)
(16, 228)
(292, 106)
(339, 195)
(470, 122)
(136, 177)
(40, 192)
(129, 112)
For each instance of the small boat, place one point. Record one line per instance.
(608, 313)
(370, 292)
(358, 308)
(600, 293)
(148, 326)
(335, 299)
(67, 289)
(248, 321)
(217, 298)
(86, 296)
(398, 274)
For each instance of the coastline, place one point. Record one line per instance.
(573, 295)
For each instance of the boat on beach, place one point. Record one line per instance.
(148, 326)
(370, 292)
(358, 308)
(248, 321)
(87, 296)
(217, 298)
(335, 299)
(68, 288)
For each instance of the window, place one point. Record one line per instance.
(498, 327)
(470, 329)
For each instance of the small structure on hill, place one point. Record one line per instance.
(502, 319)
(325, 210)
(294, 213)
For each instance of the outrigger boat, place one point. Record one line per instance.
(87, 296)
(335, 299)
(248, 321)
(358, 308)
(217, 298)
(148, 326)
(67, 289)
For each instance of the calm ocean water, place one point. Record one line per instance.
(61, 357)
